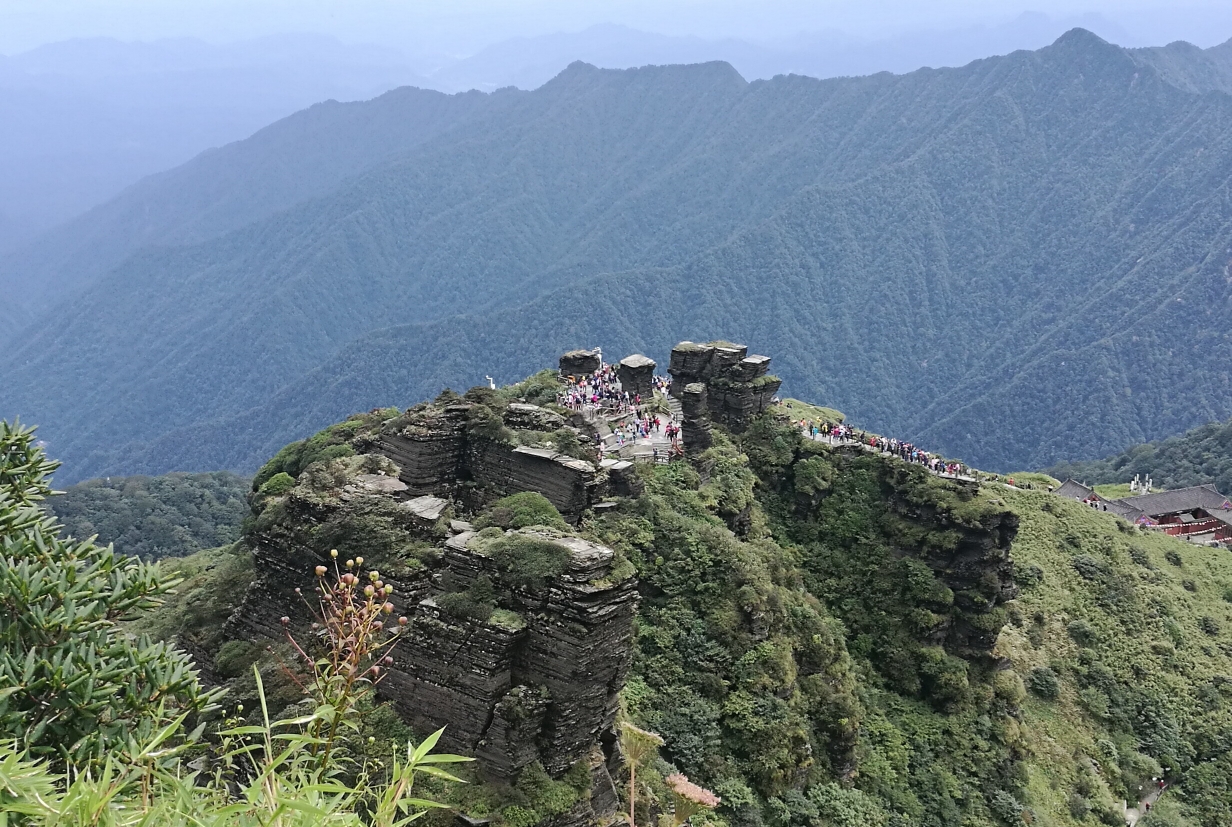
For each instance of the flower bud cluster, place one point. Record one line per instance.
(349, 628)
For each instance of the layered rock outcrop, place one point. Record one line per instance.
(535, 681)
(527, 671)
(449, 451)
(738, 386)
(695, 418)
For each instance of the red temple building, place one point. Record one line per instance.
(1199, 513)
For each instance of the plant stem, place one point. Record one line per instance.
(632, 790)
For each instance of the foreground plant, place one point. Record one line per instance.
(73, 685)
(287, 788)
(690, 799)
(93, 722)
(638, 745)
(350, 629)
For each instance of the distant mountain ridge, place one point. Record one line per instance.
(291, 161)
(85, 118)
(988, 260)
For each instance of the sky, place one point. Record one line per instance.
(462, 27)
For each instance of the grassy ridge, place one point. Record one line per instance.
(1142, 648)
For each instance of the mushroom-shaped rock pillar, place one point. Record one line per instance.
(636, 375)
(580, 363)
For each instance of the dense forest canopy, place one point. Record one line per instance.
(151, 517)
(1032, 246)
(1201, 456)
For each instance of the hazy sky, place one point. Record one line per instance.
(460, 27)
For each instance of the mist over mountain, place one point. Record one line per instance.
(1000, 261)
(528, 62)
(290, 161)
(86, 118)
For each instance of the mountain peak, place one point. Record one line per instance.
(1080, 39)
(1084, 51)
(714, 72)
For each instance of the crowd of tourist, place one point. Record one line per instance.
(841, 434)
(599, 391)
(643, 426)
(602, 392)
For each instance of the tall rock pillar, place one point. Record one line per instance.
(695, 427)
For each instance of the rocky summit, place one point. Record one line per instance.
(601, 544)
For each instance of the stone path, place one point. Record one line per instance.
(640, 449)
(1134, 814)
(643, 449)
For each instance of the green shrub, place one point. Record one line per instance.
(1081, 632)
(1140, 557)
(1005, 807)
(280, 483)
(1089, 567)
(536, 797)
(1043, 682)
(485, 423)
(1009, 687)
(331, 443)
(543, 388)
(567, 442)
(528, 508)
(1208, 625)
(1174, 557)
(1079, 806)
(526, 561)
(478, 602)
(1028, 576)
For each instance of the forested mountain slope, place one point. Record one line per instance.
(1201, 456)
(291, 161)
(1029, 242)
(1193, 69)
(169, 516)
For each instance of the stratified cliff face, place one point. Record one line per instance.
(967, 544)
(536, 680)
(456, 450)
(519, 639)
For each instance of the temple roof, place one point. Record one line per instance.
(1174, 502)
(1073, 490)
